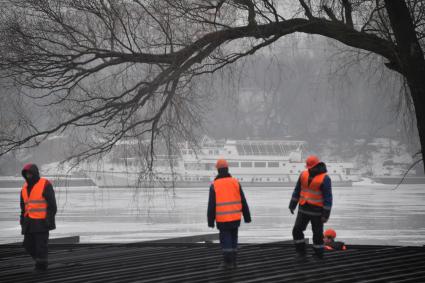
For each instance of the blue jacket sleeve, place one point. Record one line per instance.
(21, 219)
(211, 207)
(245, 208)
(295, 195)
(327, 196)
(49, 195)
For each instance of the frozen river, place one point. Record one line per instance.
(370, 214)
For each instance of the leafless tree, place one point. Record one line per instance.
(128, 68)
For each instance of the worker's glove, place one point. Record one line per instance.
(325, 215)
(291, 210)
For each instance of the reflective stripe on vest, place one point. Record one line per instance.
(228, 200)
(311, 193)
(35, 203)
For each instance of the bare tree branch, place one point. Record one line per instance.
(348, 13)
(125, 67)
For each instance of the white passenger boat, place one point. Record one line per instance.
(258, 163)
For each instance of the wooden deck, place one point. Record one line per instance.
(198, 262)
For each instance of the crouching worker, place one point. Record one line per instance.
(38, 210)
(225, 205)
(330, 243)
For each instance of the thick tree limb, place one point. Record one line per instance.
(348, 13)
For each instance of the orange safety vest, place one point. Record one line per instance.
(228, 204)
(35, 203)
(311, 193)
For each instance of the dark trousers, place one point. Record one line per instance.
(300, 226)
(36, 245)
(229, 239)
(229, 244)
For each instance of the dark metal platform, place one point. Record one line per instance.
(172, 262)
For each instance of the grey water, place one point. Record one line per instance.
(368, 214)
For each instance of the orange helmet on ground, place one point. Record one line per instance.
(330, 233)
(221, 163)
(311, 161)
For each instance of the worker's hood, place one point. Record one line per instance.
(33, 169)
(318, 169)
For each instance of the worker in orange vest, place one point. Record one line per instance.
(38, 210)
(329, 240)
(313, 195)
(226, 204)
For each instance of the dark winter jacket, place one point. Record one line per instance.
(212, 206)
(29, 225)
(326, 189)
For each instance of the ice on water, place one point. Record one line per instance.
(362, 214)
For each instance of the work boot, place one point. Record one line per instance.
(227, 261)
(318, 254)
(301, 257)
(300, 249)
(40, 265)
(234, 259)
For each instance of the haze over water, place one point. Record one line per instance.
(369, 214)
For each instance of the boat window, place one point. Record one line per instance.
(246, 164)
(255, 149)
(247, 149)
(240, 149)
(262, 149)
(273, 164)
(192, 166)
(260, 164)
(277, 149)
(209, 166)
(233, 164)
(216, 152)
(269, 149)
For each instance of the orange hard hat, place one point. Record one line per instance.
(221, 163)
(311, 161)
(330, 233)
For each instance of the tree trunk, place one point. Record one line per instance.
(411, 60)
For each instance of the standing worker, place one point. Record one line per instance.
(225, 205)
(313, 193)
(38, 210)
